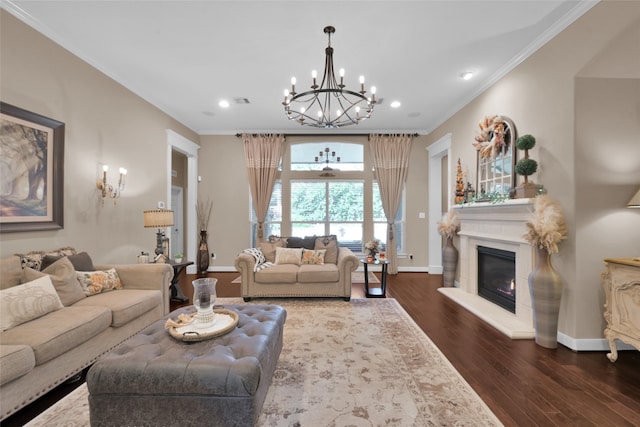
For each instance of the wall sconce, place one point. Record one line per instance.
(635, 200)
(107, 190)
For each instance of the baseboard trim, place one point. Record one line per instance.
(590, 344)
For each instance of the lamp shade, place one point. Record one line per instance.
(635, 200)
(158, 218)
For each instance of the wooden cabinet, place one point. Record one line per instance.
(621, 282)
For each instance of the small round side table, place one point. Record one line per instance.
(380, 292)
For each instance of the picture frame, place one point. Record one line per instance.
(32, 171)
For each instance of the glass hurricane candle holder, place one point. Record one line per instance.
(204, 297)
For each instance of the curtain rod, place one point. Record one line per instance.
(341, 135)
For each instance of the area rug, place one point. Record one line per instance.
(358, 363)
(357, 277)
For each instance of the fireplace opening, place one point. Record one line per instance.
(496, 277)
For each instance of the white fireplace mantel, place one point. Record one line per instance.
(500, 226)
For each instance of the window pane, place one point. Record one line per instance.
(274, 213)
(308, 201)
(303, 156)
(307, 229)
(346, 201)
(349, 234)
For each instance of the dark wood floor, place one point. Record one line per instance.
(524, 384)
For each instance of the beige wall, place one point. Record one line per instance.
(105, 123)
(224, 180)
(588, 145)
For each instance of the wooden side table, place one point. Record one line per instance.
(176, 290)
(380, 292)
(621, 282)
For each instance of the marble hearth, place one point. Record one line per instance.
(498, 226)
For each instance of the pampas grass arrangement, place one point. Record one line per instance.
(449, 226)
(547, 227)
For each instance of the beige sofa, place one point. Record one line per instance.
(275, 277)
(39, 354)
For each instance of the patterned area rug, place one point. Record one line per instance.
(358, 363)
(356, 277)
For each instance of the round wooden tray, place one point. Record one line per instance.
(190, 333)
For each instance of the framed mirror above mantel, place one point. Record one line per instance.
(496, 157)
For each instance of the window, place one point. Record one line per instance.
(329, 207)
(346, 156)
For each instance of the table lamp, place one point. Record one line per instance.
(158, 218)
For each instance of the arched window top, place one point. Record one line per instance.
(344, 156)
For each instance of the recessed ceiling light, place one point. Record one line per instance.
(395, 104)
(467, 75)
(224, 103)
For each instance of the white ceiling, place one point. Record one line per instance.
(186, 56)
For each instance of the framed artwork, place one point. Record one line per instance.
(31, 171)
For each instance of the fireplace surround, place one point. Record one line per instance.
(499, 226)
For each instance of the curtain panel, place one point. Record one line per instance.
(390, 155)
(262, 154)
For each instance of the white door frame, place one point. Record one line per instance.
(190, 149)
(437, 151)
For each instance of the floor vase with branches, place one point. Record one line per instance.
(203, 213)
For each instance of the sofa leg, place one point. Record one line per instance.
(347, 299)
(246, 299)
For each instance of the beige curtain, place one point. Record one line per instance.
(391, 161)
(262, 155)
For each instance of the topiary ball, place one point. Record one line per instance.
(526, 167)
(526, 142)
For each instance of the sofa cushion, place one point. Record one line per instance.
(310, 273)
(95, 282)
(269, 249)
(33, 259)
(64, 278)
(22, 303)
(15, 361)
(80, 262)
(10, 272)
(313, 256)
(59, 331)
(330, 243)
(288, 256)
(283, 273)
(125, 304)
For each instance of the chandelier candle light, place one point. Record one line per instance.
(329, 105)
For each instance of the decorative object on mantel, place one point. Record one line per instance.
(203, 214)
(459, 185)
(448, 228)
(526, 167)
(496, 157)
(329, 105)
(545, 230)
(372, 247)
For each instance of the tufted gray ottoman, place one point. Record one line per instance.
(154, 380)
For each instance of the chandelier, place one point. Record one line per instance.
(329, 105)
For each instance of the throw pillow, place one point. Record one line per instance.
(64, 279)
(313, 257)
(33, 259)
(269, 249)
(258, 256)
(288, 255)
(95, 282)
(22, 303)
(330, 243)
(299, 242)
(81, 261)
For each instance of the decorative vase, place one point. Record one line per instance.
(449, 263)
(203, 253)
(545, 286)
(204, 297)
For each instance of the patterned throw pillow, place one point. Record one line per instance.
(22, 303)
(34, 259)
(258, 256)
(330, 243)
(95, 282)
(265, 265)
(288, 256)
(313, 257)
